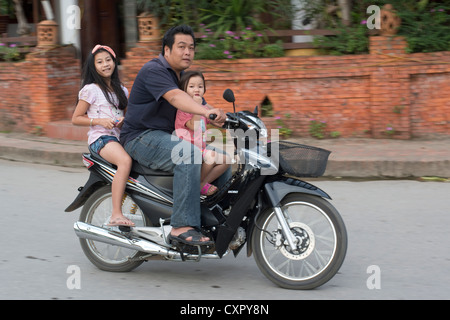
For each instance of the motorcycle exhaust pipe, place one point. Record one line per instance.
(91, 232)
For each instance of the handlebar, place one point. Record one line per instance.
(231, 118)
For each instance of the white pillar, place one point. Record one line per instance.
(69, 20)
(297, 22)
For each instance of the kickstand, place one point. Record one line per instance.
(199, 254)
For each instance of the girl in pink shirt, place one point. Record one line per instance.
(101, 105)
(192, 128)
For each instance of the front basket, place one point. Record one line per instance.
(301, 160)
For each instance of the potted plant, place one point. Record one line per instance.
(390, 21)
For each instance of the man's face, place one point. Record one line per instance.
(182, 54)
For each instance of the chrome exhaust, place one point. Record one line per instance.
(88, 231)
(91, 232)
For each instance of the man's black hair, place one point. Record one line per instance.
(169, 36)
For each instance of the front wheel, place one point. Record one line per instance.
(321, 243)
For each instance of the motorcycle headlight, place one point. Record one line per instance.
(257, 124)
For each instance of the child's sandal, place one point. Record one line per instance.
(208, 189)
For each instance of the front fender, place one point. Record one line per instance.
(277, 190)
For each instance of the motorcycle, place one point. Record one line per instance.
(298, 239)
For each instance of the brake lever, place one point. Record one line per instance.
(232, 118)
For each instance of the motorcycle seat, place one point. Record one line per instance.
(136, 167)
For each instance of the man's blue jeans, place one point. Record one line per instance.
(155, 149)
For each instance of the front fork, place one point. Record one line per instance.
(282, 219)
(277, 190)
(288, 235)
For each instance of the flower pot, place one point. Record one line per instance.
(390, 21)
(47, 34)
(148, 26)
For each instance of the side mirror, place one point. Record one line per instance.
(228, 95)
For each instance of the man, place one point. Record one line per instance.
(150, 121)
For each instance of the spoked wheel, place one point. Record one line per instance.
(97, 211)
(321, 243)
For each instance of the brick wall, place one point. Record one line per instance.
(41, 89)
(356, 95)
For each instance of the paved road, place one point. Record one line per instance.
(398, 247)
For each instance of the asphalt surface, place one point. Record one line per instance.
(397, 249)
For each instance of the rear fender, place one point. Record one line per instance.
(94, 182)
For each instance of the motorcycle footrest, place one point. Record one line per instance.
(125, 229)
(186, 249)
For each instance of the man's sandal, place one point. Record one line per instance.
(195, 241)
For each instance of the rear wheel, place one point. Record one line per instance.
(97, 211)
(321, 243)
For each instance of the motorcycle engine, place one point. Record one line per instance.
(238, 239)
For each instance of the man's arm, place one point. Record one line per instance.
(181, 100)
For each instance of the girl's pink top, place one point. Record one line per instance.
(100, 108)
(183, 132)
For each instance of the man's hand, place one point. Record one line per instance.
(220, 119)
(184, 102)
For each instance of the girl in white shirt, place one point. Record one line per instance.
(102, 101)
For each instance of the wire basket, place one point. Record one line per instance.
(300, 160)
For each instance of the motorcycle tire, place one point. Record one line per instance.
(97, 211)
(321, 246)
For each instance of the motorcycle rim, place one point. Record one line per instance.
(97, 211)
(321, 249)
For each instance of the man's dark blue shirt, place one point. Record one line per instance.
(147, 109)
